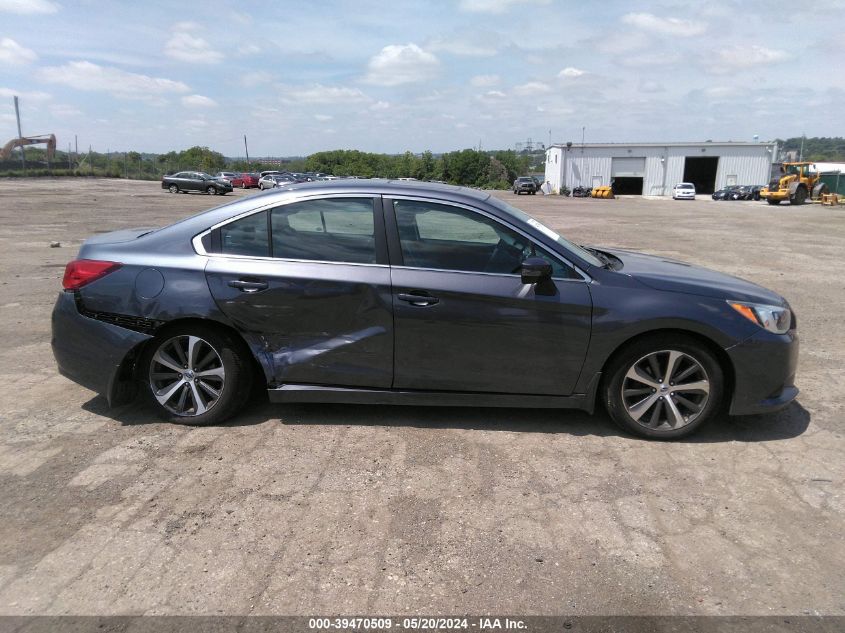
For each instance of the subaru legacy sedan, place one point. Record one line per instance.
(368, 291)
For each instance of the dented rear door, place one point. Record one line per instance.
(316, 322)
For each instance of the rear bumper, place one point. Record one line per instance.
(87, 351)
(764, 372)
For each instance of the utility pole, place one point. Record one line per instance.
(68, 156)
(20, 136)
(800, 154)
(246, 151)
(76, 145)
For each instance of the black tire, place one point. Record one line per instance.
(799, 197)
(234, 359)
(631, 355)
(173, 189)
(212, 191)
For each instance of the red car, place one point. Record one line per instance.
(249, 181)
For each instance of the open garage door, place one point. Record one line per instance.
(701, 171)
(627, 175)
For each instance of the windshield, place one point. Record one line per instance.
(524, 217)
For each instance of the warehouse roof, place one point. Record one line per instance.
(672, 144)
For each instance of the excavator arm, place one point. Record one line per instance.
(48, 139)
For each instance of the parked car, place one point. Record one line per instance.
(725, 193)
(274, 180)
(250, 180)
(379, 292)
(186, 181)
(231, 177)
(683, 191)
(525, 184)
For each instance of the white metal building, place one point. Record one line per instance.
(652, 169)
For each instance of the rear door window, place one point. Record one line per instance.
(328, 230)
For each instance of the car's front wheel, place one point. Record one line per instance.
(664, 387)
(197, 375)
(173, 189)
(212, 191)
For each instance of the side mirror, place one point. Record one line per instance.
(535, 270)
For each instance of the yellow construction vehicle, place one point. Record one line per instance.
(799, 182)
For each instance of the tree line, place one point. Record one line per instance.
(486, 169)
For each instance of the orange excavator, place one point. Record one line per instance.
(48, 139)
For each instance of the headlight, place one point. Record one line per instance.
(775, 319)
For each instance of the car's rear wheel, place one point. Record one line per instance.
(664, 387)
(197, 375)
(212, 191)
(173, 189)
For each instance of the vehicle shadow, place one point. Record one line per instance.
(786, 424)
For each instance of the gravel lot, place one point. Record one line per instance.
(315, 509)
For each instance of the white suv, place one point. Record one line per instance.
(683, 191)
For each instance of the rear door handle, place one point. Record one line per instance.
(420, 300)
(247, 285)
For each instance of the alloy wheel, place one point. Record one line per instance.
(187, 375)
(667, 389)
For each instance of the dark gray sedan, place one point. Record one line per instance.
(368, 291)
(186, 181)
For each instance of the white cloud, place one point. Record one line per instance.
(319, 93)
(664, 26)
(64, 111)
(471, 43)
(323, 117)
(248, 49)
(92, 77)
(532, 88)
(256, 78)
(742, 56)
(570, 72)
(494, 6)
(8, 93)
(483, 81)
(185, 47)
(14, 54)
(380, 105)
(198, 101)
(396, 64)
(495, 94)
(25, 7)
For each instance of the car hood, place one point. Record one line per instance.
(671, 275)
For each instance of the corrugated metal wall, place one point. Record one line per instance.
(750, 164)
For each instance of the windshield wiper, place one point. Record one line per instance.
(606, 261)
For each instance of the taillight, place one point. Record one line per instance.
(80, 272)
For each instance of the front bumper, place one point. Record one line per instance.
(764, 372)
(90, 352)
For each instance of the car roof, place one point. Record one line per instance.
(363, 186)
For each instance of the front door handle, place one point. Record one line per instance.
(420, 300)
(249, 285)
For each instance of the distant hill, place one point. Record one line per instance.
(823, 149)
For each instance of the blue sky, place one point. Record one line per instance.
(391, 76)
